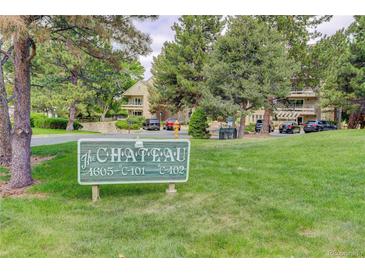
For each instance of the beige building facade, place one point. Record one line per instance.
(137, 96)
(299, 106)
(138, 103)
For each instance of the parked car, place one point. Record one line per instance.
(318, 125)
(152, 124)
(260, 123)
(290, 127)
(169, 124)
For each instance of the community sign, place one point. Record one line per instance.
(123, 161)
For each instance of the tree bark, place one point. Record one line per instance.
(266, 123)
(71, 117)
(105, 110)
(354, 120)
(5, 126)
(21, 174)
(241, 129)
(339, 117)
(267, 116)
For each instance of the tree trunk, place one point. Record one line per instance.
(105, 110)
(71, 117)
(21, 174)
(241, 129)
(354, 119)
(266, 123)
(72, 110)
(339, 117)
(267, 116)
(5, 126)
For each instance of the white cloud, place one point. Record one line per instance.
(336, 23)
(160, 32)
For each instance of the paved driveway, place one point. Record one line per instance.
(39, 140)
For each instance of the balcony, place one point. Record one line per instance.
(299, 109)
(133, 106)
(302, 94)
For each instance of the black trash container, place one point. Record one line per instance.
(227, 133)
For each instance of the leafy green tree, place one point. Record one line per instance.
(356, 75)
(297, 31)
(198, 124)
(337, 63)
(96, 82)
(249, 64)
(63, 66)
(331, 56)
(178, 70)
(109, 83)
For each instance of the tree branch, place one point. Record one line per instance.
(34, 50)
(11, 98)
(7, 55)
(63, 29)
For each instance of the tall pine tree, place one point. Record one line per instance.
(248, 64)
(297, 31)
(178, 70)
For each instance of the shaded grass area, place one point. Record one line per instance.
(4, 174)
(301, 196)
(46, 131)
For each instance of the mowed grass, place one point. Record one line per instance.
(301, 196)
(47, 131)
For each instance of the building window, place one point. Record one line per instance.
(296, 103)
(137, 113)
(136, 101)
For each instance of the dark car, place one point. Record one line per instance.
(260, 123)
(152, 124)
(318, 125)
(169, 124)
(290, 127)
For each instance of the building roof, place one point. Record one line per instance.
(139, 89)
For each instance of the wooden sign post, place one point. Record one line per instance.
(95, 193)
(126, 161)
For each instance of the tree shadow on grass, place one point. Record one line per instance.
(71, 189)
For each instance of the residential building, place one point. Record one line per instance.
(138, 103)
(137, 97)
(299, 106)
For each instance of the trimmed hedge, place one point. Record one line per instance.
(41, 121)
(135, 122)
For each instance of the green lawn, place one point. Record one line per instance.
(47, 131)
(300, 196)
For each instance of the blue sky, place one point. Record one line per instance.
(160, 31)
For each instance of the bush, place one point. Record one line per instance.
(42, 121)
(198, 125)
(35, 116)
(112, 113)
(250, 127)
(77, 125)
(135, 122)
